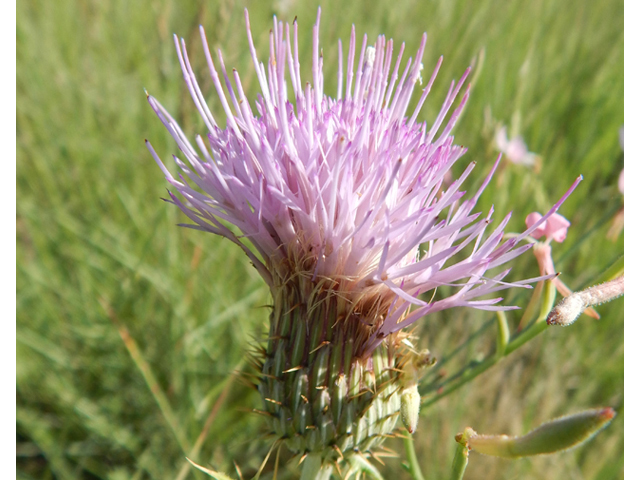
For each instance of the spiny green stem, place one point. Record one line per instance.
(414, 466)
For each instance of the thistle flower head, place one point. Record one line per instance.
(341, 206)
(344, 189)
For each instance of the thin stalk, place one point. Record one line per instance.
(458, 350)
(414, 466)
(531, 332)
(467, 374)
(464, 377)
(530, 311)
(548, 299)
(503, 334)
(613, 271)
(460, 461)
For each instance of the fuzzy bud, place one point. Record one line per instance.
(570, 308)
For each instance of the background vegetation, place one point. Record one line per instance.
(129, 328)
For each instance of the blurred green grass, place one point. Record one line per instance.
(100, 259)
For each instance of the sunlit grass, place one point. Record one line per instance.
(100, 259)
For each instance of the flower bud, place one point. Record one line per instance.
(413, 371)
(570, 308)
(554, 436)
(410, 407)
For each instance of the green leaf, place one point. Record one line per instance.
(211, 473)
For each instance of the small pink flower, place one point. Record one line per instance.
(554, 228)
(515, 149)
(618, 220)
(621, 182)
(621, 177)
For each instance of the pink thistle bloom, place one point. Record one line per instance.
(515, 149)
(347, 188)
(554, 228)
